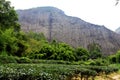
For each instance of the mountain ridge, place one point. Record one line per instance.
(118, 30)
(55, 24)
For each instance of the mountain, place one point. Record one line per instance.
(117, 30)
(55, 24)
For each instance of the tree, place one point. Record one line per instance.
(36, 36)
(81, 54)
(8, 16)
(94, 50)
(118, 56)
(115, 58)
(65, 52)
(8, 41)
(10, 44)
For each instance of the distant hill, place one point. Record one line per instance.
(72, 30)
(117, 30)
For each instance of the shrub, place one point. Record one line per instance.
(81, 54)
(113, 59)
(101, 62)
(23, 60)
(7, 59)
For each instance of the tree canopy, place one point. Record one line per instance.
(8, 16)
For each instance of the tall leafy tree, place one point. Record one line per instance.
(8, 16)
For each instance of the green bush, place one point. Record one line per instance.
(23, 60)
(115, 58)
(81, 54)
(100, 62)
(7, 59)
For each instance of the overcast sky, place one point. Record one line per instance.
(102, 12)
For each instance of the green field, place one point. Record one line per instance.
(52, 71)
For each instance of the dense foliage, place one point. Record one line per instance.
(35, 46)
(11, 43)
(82, 54)
(115, 58)
(8, 16)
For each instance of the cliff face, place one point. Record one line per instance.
(72, 30)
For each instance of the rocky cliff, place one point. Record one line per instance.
(72, 30)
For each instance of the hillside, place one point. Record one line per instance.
(72, 30)
(117, 30)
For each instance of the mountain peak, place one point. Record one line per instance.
(46, 9)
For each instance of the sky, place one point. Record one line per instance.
(101, 12)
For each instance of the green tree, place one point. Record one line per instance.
(12, 44)
(118, 56)
(36, 36)
(8, 42)
(112, 59)
(48, 51)
(115, 58)
(36, 42)
(81, 54)
(56, 51)
(95, 50)
(8, 16)
(65, 52)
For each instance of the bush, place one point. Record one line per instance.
(81, 54)
(101, 62)
(7, 59)
(112, 59)
(23, 60)
(115, 58)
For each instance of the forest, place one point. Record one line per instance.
(30, 56)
